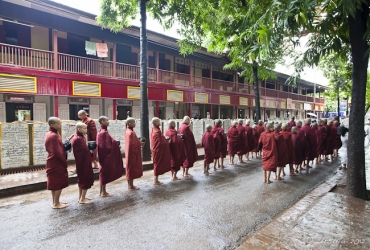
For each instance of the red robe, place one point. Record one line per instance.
(209, 147)
(216, 141)
(233, 143)
(329, 144)
(160, 152)
(320, 137)
(297, 145)
(176, 149)
(290, 149)
(256, 137)
(333, 135)
(223, 151)
(282, 149)
(338, 141)
(269, 151)
(250, 137)
(110, 158)
(190, 146)
(311, 150)
(91, 133)
(304, 142)
(56, 163)
(243, 142)
(260, 129)
(291, 125)
(134, 165)
(85, 173)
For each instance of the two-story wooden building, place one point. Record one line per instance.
(45, 71)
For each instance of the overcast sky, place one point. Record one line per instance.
(92, 6)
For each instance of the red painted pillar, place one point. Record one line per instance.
(190, 110)
(56, 106)
(157, 109)
(114, 60)
(55, 49)
(114, 109)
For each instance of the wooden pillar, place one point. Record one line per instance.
(157, 109)
(157, 65)
(55, 49)
(190, 110)
(114, 61)
(114, 109)
(56, 106)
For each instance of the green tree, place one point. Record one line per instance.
(335, 27)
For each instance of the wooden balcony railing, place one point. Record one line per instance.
(26, 57)
(40, 59)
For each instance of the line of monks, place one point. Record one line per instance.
(176, 149)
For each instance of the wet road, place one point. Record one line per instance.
(204, 212)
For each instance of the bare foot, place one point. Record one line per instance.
(278, 178)
(223, 167)
(106, 194)
(241, 161)
(157, 183)
(60, 205)
(73, 171)
(215, 169)
(95, 166)
(292, 174)
(85, 201)
(268, 182)
(188, 175)
(176, 179)
(133, 188)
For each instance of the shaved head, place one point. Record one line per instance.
(269, 126)
(235, 123)
(102, 118)
(156, 121)
(80, 125)
(285, 126)
(130, 121)
(299, 123)
(240, 121)
(209, 127)
(277, 127)
(52, 120)
(294, 129)
(172, 123)
(186, 119)
(248, 122)
(307, 121)
(82, 112)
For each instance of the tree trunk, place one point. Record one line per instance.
(338, 100)
(144, 112)
(356, 179)
(256, 91)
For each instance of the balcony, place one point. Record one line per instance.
(17, 56)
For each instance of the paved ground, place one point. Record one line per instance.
(204, 212)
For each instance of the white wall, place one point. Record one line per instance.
(97, 101)
(40, 38)
(44, 99)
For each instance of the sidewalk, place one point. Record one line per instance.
(325, 218)
(34, 180)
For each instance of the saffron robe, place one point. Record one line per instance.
(134, 165)
(160, 152)
(56, 162)
(243, 142)
(209, 147)
(282, 149)
(176, 149)
(91, 133)
(269, 151)
(217, 141)
(311, 150)
(297, 145)
(233, 140)
(85, 173)
(250, 138)
(190, 146)
(110, 157)
(289, 143)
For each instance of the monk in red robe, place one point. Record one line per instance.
(311, 142)
(56, 163)
(110, 157)
(256, 137)
(160, 151)
(297, 145)
(304, 143)
(176, 149)
(209, 148)
(290, 149)
(260, 128)
(327, 139)
(134, 165)
(190, 146)
(85, 173)
(249, 139)
(233, 141)
(269, 152)
(91, 132)
(282, 150)
(321, 142)
(223, 152)
(243, 143)
(333, 137)
(217, 142)
(338, 141)
(291, 124)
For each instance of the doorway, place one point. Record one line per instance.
(19, 112)
(74, 108)
(122, 112)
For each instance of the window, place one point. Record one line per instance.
(180, 68)
(304, 92)
(16, 34)
(295, 90)
(241, 79)
(124, 54)
(285, 88)
(270, 85)
(151, 62)
(227, 77)
(164, 63)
